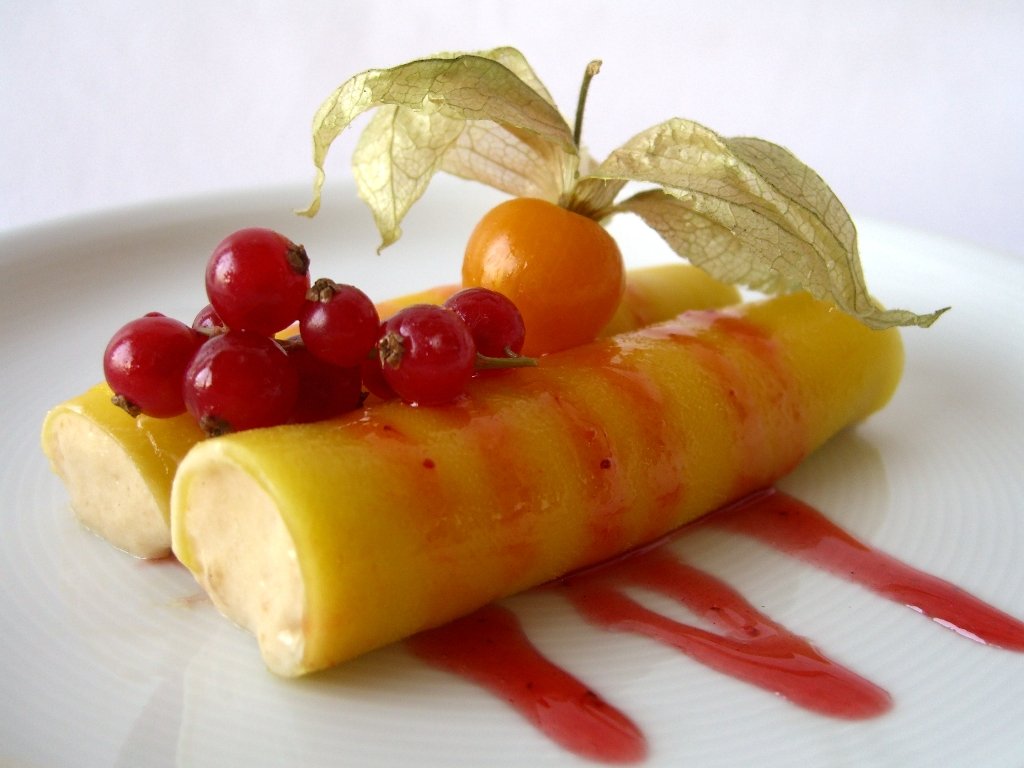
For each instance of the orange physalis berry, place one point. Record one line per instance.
(561, 269)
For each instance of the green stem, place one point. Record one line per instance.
(485, 363)
(592, 69)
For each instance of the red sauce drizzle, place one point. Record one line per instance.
(662, 461)
(489, 647)
(752, 647)
(792, 526)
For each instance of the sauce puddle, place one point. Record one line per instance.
(490, 648)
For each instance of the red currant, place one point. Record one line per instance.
(208, 322)
(372, 374)
(240, 380)
(257, 280)
(493, 320)
(325, 390)
(145, 362)
(427, 354)
(339, 323)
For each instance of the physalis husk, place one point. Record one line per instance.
(743, 209)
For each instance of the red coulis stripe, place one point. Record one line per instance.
(489, 647)
(752, 647)
(797, 529)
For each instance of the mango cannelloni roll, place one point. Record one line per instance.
(328, 540)
(118, 470)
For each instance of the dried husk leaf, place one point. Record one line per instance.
(429, 104)
(745, 210)
(415, 144)
(510, 161)
(748, 212)
(720, 238)
(592, 196)
(520, 67)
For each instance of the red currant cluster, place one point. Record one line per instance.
(231, 372)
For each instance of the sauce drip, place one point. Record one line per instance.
(798, 529)
(751, 648)
(490, 648)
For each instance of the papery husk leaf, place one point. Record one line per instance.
(414, 144)
(520, 67)
(732, 243)
(510, 161)
(592, 196)
(749, 212)
(458, 88)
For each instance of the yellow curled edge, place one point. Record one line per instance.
(331, 539)
(118, 470)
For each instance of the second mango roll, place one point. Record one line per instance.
(329, 540)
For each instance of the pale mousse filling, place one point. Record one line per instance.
(108, 493)
(241, 553)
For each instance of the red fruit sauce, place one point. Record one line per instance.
(490, 649)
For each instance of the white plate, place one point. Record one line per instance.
(106, 661)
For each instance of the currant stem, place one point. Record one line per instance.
(592, 69)
(486, 363)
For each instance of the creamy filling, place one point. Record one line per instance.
(241, 552)
(108, 493)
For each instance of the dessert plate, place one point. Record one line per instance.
(109, 661)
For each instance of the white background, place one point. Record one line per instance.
(912, 111)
